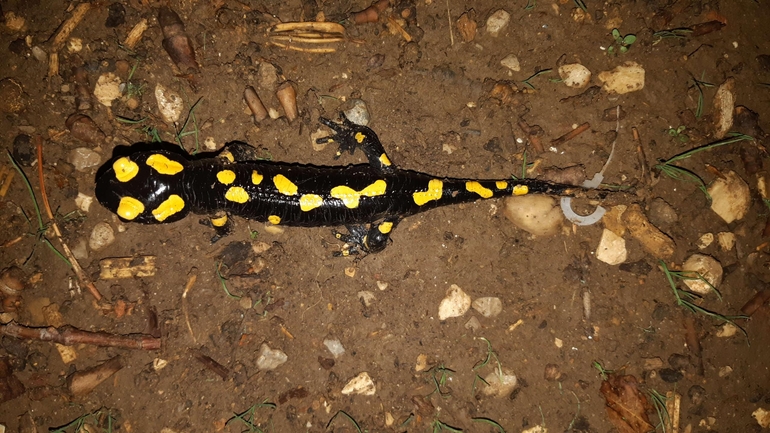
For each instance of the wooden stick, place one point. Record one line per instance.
(212, 365)
(64, 32)
(190, 282)
(67, 252)
(570, 135)
(69, 336)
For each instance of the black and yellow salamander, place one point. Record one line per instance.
(162, 186)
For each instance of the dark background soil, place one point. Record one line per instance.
(423, 96)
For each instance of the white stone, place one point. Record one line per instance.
(726, 330)
(270, 359)
(726, 240)
(497, 22)
(101, 236)
(511, 62)
(83, 202)
(361, 385)
(708, 267)
(611, 249)
(724, 106)
(366, 297)
(536, 214)
(499, 384)
(623, 79)
(335, 347)
(575, 75)
(75, 45)
(170, 103)
(455, 304)
(83, 158)
(107, 89)
(705, 240)
(730, 197)
(488, 306)
(762, 416)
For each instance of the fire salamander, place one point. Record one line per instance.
(161, 186)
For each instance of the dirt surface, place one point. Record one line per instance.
(440, 105)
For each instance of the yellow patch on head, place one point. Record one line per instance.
(125, 169)
(384, 159)
(256, 178)
(479, 189)
(501, 184)
(237, 194)
(130, 208)
(226, 177)
(284, 185)
(351, 197)
(360, 137)
(226, 154)
(274, 219)
(385, 227)
(170, 206)
(434, 192)
(163, 165)
(520, 190)
(309, 202)
(219, 222)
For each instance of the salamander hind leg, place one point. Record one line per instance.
(351, 136)
(238, 151)
(367, 240)
(221, 223)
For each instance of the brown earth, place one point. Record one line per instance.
(431, 105)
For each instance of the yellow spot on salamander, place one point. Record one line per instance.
(125, 169)
(226, 177)
(520, 190)
(163, 165)
(351, 197)
(360, 137)
(256, 178)
(237, 194)
(219, 222)
(130, 208)
(384, 159)
(227, 155)
(309, 202)
(434, 192)
(274, 219)
(385, 227)
(479, 189)
(284, 185)
(501, 184)
(170, 206)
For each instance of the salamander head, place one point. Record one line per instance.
(144, 187)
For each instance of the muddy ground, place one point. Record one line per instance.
(435, 106)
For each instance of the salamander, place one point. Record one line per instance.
(162, 186)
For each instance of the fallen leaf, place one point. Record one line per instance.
(626, 404)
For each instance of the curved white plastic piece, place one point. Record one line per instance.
(566, 208)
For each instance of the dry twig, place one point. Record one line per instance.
(69, 336)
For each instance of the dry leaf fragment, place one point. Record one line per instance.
(626, 404)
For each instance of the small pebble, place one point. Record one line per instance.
(83, 158)
(270, 359)
(552, 372)
(23, 151)
(358, 113)
(170, 103)
(670, 375)
(455, 304)
(697, 394)
(366, 297)
(83, 202)
(107, 89)
(725, 371)
(11, 96)
(39, 54)
(497, 22)
(488, 306)
(511, 62)
(652, 363)
(101, 236)
(335, 347)
(678, 361)
(473, 324)
(499, 384)
(361, 384)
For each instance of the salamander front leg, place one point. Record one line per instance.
(351, 136)
(221, 223)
